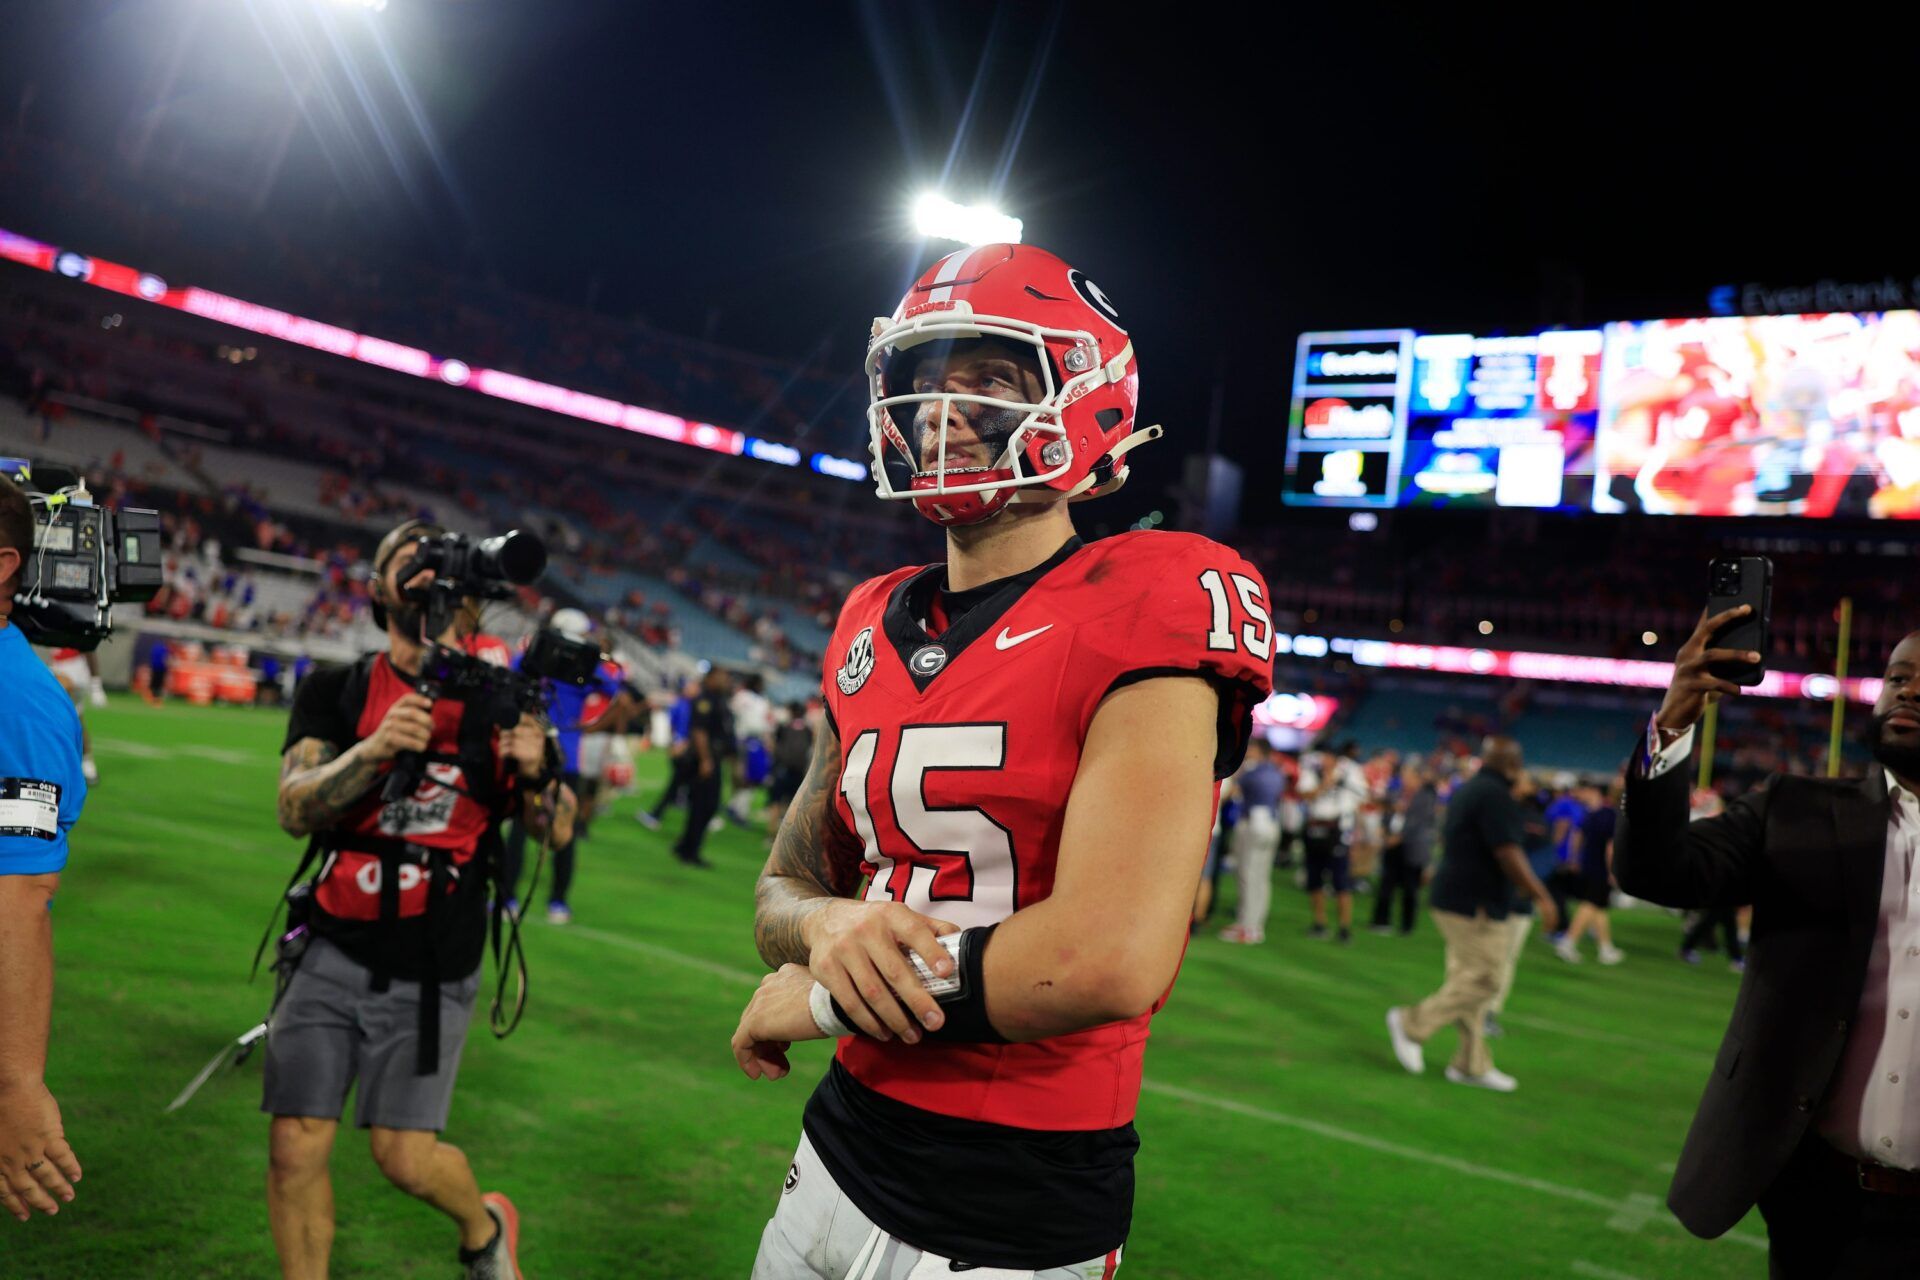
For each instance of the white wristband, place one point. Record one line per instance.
(820, 1001)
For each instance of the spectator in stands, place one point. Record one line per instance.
(1592, 877)
(1484, 860)
(1413, 824)
(1258, 787)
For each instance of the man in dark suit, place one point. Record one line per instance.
(1813, 1108)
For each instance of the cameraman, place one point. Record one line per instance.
(41, 791)
(385, 989)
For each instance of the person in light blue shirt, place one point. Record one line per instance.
(42, 790)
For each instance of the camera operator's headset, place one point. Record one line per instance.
(509, 957)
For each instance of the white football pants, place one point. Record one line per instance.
(819, 1234)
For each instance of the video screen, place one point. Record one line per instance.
(1810, 415)
(1505, 422)
(1801, 415)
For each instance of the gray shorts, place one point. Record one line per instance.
(333, 1028)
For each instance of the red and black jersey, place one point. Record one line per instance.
(958, 750)
(451, 813)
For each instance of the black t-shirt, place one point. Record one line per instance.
(1481, 816)
(319, 710)
(712, 714)
(328, 705)
(1596, 833)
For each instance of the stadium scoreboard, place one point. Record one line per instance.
(1807, 415)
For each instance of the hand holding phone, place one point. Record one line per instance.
(1694, 666)
(1733, 581)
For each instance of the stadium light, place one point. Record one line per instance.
(938, 218)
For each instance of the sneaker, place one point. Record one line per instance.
(716, 824)
(1491, 1028)
(1498, 1081)
(501, 1259)
(557, 913)
(1316, 931)
(647, 820)
(1612, 955)
(1345, 935)
(1736, 966)
(1405, 1047)
(87, 769)
(1568, 951)
(1247, 937)
(1384, 930)
(695, 861)
(1691, 957)
(1557, 938)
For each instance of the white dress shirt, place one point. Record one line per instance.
(1873, 1109)
(1873, 1112)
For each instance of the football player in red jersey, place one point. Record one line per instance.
(1015, 780)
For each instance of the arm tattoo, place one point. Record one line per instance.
(318, 784)
(809, 866)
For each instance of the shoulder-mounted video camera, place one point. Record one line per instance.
(84, 559)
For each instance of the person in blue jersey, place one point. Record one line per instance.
(42, 790)
(567, 709)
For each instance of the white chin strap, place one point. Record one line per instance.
(1117, 456)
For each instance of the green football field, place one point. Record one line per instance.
(1279, 1136)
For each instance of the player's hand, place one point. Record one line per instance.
(855, 952)
(706, 768)
(1692, 683)
(526, 746)
(778, 1014)
(37, 1167)
(407, 726)
(1549, 913)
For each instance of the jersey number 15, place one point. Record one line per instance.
(1257, 634)
(956, 863)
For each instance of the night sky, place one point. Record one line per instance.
(743, 171)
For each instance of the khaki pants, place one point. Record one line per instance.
(1255, 841)
(1519, 924)
(1477, 952)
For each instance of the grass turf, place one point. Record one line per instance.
(1279, 1136)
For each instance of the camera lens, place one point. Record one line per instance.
(516, 556)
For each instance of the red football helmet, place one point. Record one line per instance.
(1072, 442)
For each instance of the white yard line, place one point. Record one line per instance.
(1581, 1267)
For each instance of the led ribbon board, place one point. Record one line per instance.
(412, 361)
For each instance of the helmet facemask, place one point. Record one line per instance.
(1022, 439)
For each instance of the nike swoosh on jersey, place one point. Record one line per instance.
(1005, 641)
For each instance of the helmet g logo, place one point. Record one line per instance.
(1094, 297)
(854, 671)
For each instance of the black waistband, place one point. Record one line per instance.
(1021, 1198)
